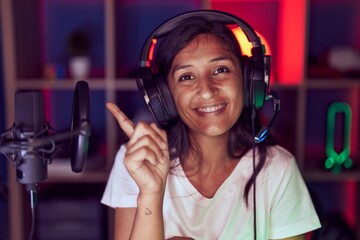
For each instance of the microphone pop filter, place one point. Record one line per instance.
(80, 126)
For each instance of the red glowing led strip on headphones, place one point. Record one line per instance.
(151, 51)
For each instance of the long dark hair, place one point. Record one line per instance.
(240, 135)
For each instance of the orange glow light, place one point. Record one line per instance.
(245, 45)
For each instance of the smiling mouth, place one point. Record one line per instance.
(211, 109)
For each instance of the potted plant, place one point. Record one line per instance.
(79, 51)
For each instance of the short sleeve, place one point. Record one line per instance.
(292, 211)
(121, 190)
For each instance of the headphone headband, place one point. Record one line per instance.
(211, 15)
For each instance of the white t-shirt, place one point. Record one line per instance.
(283, 205)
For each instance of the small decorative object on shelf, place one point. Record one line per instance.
(79, 50)
(334, 159)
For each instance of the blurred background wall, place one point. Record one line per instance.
(315, 46)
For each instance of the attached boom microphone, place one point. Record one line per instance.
(264, 131)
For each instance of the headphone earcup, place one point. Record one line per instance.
(254, 86)
(157, 96)
(168, 108)
(247, 76)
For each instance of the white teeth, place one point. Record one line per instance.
(210, 109)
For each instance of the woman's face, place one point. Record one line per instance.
(206, 83)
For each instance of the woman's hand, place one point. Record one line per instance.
(147, 154)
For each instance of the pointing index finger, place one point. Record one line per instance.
(125, 123)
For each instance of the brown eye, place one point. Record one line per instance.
(185, 77)
(221, 69)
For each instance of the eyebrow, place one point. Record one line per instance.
(217, 59)
(221, 58)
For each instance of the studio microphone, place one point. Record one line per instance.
(31, 142)
(31, 162)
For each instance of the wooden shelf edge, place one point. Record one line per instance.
(69, 84)
(331, 83)
(324, 176)
(60, 171)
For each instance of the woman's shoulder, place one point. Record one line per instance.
(121, 151)
(119, 158)
(279, 159)
(274, 152)
(279, 152)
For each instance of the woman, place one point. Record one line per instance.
(206, 191)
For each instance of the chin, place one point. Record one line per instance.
(214, 131)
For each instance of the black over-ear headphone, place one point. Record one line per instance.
(154, 88)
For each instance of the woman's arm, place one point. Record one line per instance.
(124, 221)
(149, 222)
(137, 223)
(147, 161)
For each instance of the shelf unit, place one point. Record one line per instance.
(28, 38)
(288, 27)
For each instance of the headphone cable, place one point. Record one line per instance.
(253, 115)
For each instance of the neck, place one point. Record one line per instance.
(208, 153)
(208, 164)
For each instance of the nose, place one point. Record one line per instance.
(207, 87)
